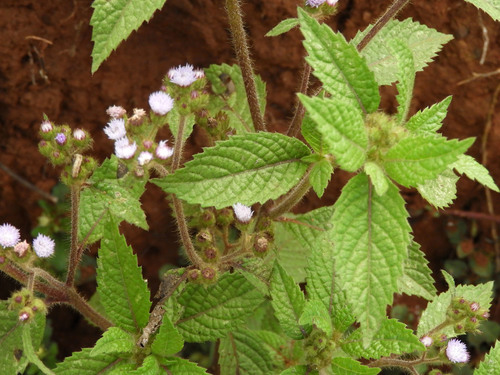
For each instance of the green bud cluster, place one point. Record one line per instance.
(188, 99)
(319, 349)
(218, 126)
(383, 133)
(27, 305)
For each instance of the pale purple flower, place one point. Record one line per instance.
(199, 73)
(145, 157)
(60, 138)
(314, 3)
(79, 134)
(243, 213)
(124, 149)
(44, 246)
(9, 235)
(427, 341)
(115, 129)
(183, 75)
(23, 316)
(116, 111)
(456, 351)
(474, 306)
(46, 126)
(163, 151)
(161, 103)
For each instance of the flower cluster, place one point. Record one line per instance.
(317, 3)
(10, 237)
(185, 75)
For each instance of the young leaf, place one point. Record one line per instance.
(315, 312)
(168, 341)
(423, 42)
(441, 191)
(377, 177)
(107, 192)
(349, 366)
(227, 82)
(283, 27)
(313, 136)
(320, 175)
(13, 360)
(342, 127)
(299, 370)
(416, 159)
(180, 366)
(491, 363)
(371, 236)
(417, 278)
(288, 303)
(246, 168)
(406, 76)
(475, 171)
(150, 366)
(281, 349)
(83, 363)
(299, 235)
(491, 7)
(338, 65)
(241, 352)
(211, 312)
(114, 20)
(123, 292)
(173, 119)
(113, 341)
(430, 120)
(392, 338)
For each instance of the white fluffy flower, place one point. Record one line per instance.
(124, 149)
(79, 134)
(243, 213)
(145, 157)
(456, 351)
(44, 246)
(161, 103)
(9, 235)
(115, 129)
(332, 2)
(46, 126)
(183, 75)
(427, 341)
(163, 151)
(116, 111)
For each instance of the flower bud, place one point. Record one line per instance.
(209, 275)
(210, 254)
(60, 139)
(21, 248)
(204, 238)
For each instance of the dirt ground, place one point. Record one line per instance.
(45, 61)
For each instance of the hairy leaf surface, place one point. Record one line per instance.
(113, 341)
(471, 168)
(180, 366)
(492, 7)
(168, 341)
(429, 120)
(349, 366)
(246, 168)
(417, 279)
(283, 27)
(405, 76)
(320, 176)
(84, 363)
(491, 363)
(441, 191)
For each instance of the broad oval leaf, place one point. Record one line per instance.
(246, 168)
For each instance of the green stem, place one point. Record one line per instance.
(242, 51)
(30, 351)
(179, 144)
(75, 253)
(389, 14)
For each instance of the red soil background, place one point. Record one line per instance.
(57, 36)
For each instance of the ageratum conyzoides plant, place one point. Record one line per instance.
(271, 292)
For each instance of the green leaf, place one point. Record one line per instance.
(241, 352)
(392, 338)
(227, 83)
(114, 20)
(405, 76)
(492, 7)
(123, 292)
(150, 366)
(298, 236)
(371, 236)
(471, 168)
(430, 120)
(441, 191)
(107, 192)
(313, 136)
(423, 42)
(168, 341)
(246, 168)
(288, 302)
(83, 363)
(113, 341)
(180, 366)
(315, 312)
(377, 177)
(281, 349)
(338, 65)
(283, 27)
(417, 278)
(299, 370)
(174, 118)
(320, 175)
(416, 159)
(491, 363)
(211, 312)
(342, 128)
(349, 366)
(13, 359)
(450, 281)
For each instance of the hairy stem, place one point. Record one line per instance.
(75, 253)
(234, 14)
(389, 14)
(294, 128)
